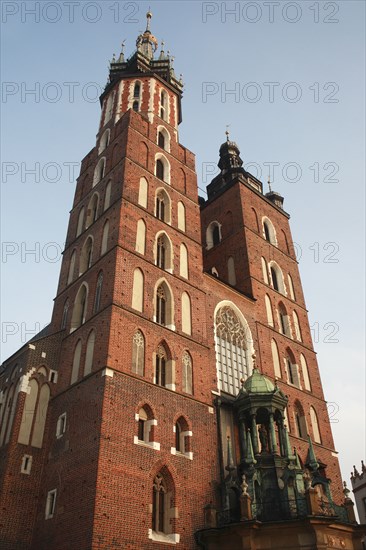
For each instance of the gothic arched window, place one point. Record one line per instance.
(187, 373)
(79, 310)
(300, 421)
(138, 353)
(64, 314)
(160, 505)
(269, 232)
(284, 320)
(98, 292)
(160, 366)
(86, 255)
(161, 305)
(161, 252)
(137, 90)
(232, 358)
(161, 140)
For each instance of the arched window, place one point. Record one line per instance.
(41, 415)
(65, 314)
(70, 276)
(161, 140)
(269, 232)
(183, 261)
(264, 270)
(285, 241)
(89, 353)
(160, 505)
(164, 313)
(305, 372)
(255, 219)
(161, 359)
(162, 168)
(140, 237)
(163, 504)
(291, 287)
(28, 413)
(213, 234)
(187, 373)
(163, 252)
(98, 292)
(92, 210)
(232, 338)
(276, 359)
(105, 235)
(297, 326)
(86, 255)
(162, 206)
(269, 310)
(284, 321)
(277, 278)
(76, 363)
(274, 279)
(138, 290)
(137, 90)
(138, 353)
(80, 307)
(163, 105)
(182, 436)
(109, 107)
(145, 427)
(104, 141)
(142, 425)
(231, 271)
(292, 369)
(79, 228)
(161, 246)
(99, 171)
(315, 425)
(161, 300)
(300, 421)
(181, 216)
(107, 196)
(8, 401)
(143, 192)
(186, 314)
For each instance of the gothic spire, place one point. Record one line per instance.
(311, 458)
(146, 43)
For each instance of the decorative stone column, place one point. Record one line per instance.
(254, 434)
(272, 434)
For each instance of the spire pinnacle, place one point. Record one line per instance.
(227, 132)
(148, 20)
(312, 461)
(269, 184)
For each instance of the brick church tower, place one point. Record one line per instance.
(175, 393)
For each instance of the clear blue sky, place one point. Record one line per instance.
(277, 53)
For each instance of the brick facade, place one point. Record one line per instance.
(103, 477)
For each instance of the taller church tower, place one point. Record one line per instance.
(174, 364)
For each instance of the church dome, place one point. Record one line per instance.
(258, 383)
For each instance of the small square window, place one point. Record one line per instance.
(61, 425)
(50, 504)
(26, 464)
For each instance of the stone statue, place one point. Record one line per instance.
(263, 439)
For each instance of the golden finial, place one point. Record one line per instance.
(148, 17)
(254, 357)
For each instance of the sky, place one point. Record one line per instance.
(288, 78)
